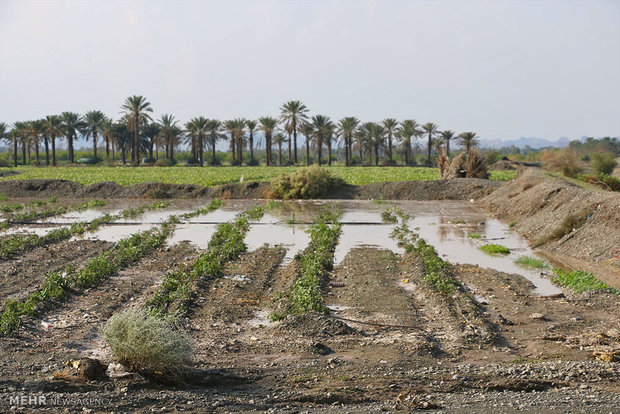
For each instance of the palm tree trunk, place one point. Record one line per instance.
(346, 151)
(200, 149)
(107, 147)
(295, 139)
(448, 148)
(136, 146)
(319, 149)
(280, 153)
(376, 155)
(212, 151)
(267, 148)
(307, 151)
(53, 150)
(15, 151)
(47, 151)
(390, 147)
(329, 152)
(70, 144)
(430, 142)
(251, 142)
(290, 153)
(95, 145)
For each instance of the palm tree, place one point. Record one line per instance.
(279, 139)
(136, 108)
(5, 134)
(346, 127)
(122, 138)
(150, 133)
(213, 128)
(106, 133)
(251, 127)
(322, 126)
(167, 130)
(19, 133)
(468, 140)
(308, 132)
(198, 129)
(446, 136)
(239, 137)
(408, 130)
(71, 124)
(93, 125)
(391, 126)
(268, 126)
(431, 129)
(289, 130)
(361, 142)
(230, 126)
(329, 139)
(294, 113)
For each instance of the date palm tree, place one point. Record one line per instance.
(391, 127)
(279, 139)
(53, 129)
(71, 124)
(446, 136)
(240, 137)
(150, 134)
(106, 133)
(322, 127)
(4, 133)
(346, 127)
(289, 131)
(19, 134)
(93, 121)
(198, 130)
(268, 126)
(213, 128)
(294, 113)
(136, 109)
(168, 131)
(36, 129)
(431, 129)
(251, 127)
(468, 140)
(409, 130)
(308, 132)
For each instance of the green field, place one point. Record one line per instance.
(210, 176)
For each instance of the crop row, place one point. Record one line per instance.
(124, 253)
(314, 263)
(18, 243)
(32, 215)
(227, 244)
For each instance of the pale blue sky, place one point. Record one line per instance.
(502, 68)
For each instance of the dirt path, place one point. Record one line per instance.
(21, 276)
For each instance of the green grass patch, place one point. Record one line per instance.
(530, 261)
(495, 249)
(502, 175)
(474, 235)
(580, 281)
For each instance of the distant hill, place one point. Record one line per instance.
(523, 142)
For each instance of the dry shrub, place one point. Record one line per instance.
(147, 343)
(443, 162)
(307, 182)
(564, 161)
(467, 165)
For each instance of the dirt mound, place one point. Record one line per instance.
(562, 218)
(462, 189)
(314, 325)
(503, 165)
(466, 165)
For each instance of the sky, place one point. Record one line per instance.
(504, 69)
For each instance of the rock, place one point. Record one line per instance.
(537, 316)
(118, 371)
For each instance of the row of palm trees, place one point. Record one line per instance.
(136, 134)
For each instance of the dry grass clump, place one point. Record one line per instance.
(468, 164)
(304, 183)
(564, 161)
(569, 223)
(149, 344)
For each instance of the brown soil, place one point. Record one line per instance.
(539, 206)
(407, 190)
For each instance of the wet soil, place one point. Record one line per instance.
(390, 343)
(460, 189)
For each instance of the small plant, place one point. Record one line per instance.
(581, 281)
(273, 204)
(512, 224)
(307, 182)
(495, 249)
(474, 235)
(531, 262)
(148, 343)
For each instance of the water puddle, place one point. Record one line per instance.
(116, 233)
(447, 227)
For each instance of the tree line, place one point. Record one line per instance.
(136, 134)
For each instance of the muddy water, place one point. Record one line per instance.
(444, 224)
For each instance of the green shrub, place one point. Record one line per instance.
(164, 162)
(4, 163)
(474, 235)
(307, 182)
(604, 181)
(603, 163)
(148, 343)
(495, 249)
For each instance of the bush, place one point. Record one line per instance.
(148, 343)
(605, 181)
(164, 162)
(35, 163)
(564, 161)
(252, 163)
(603, 163)
(4, 163)
(307, 182)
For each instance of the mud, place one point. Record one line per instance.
(407, 190)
